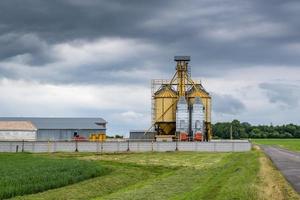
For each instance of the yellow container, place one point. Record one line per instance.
(101, 137)
(92, 137)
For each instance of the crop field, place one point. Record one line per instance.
(290, 144)
(27, 173)
(171, 175)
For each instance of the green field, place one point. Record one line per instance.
(27, 173)
(290, 144)
(172, 175)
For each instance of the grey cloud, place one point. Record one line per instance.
(14, 44)
(65, 20)
(284, 94)
(219, 35)
(227, 104)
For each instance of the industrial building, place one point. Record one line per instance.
(181, 107)
(35, 128)
(17, 130)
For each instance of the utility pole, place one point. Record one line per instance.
(230, 131)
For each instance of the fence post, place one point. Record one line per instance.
(17, 148)
(152, 145)
(76, 145)
(101, 146)
(128, 145)
(22, 145)
(97, 147)
(48, 146)
(176, 149)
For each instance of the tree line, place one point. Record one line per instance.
(239, 130)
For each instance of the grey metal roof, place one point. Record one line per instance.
(61, 123)
(182, 58)
(17, 126)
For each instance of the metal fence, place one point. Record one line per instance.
(123, 146)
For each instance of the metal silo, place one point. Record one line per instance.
(197, 119)
(197, 90)
(165, 110)
(165, 95)
(182, 118)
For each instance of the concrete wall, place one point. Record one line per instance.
(17, 135)
(110, 147)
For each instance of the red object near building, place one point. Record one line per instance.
(80, 138)
(198, 136)
(183, 137)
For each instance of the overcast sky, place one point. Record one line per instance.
(95, 58)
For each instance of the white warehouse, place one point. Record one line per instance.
(17, 130)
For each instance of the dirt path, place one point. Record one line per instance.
(287, 162)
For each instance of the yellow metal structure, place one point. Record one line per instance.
(166, 97)
(95, 137)
(165, 104)
(181, 77)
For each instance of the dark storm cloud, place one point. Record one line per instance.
(71, 19)
(28, 45)
(219, 35)
(227, 104)
(284, 94)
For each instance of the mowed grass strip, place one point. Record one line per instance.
(25, 173)
(290, 144)
(232, 177)
(167, 159)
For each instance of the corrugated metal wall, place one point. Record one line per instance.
(17, 135)
(64, 134)
(140, 136)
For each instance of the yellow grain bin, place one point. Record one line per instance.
(92, 137)
(101, 137)
(197, 90)
(165, 100)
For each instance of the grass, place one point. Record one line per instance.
(123, 175)
(199, 182)
(175, 175)
(290, 144)
(27, 173)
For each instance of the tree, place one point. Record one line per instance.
(246, 130)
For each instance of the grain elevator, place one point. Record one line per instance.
(181, 107)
